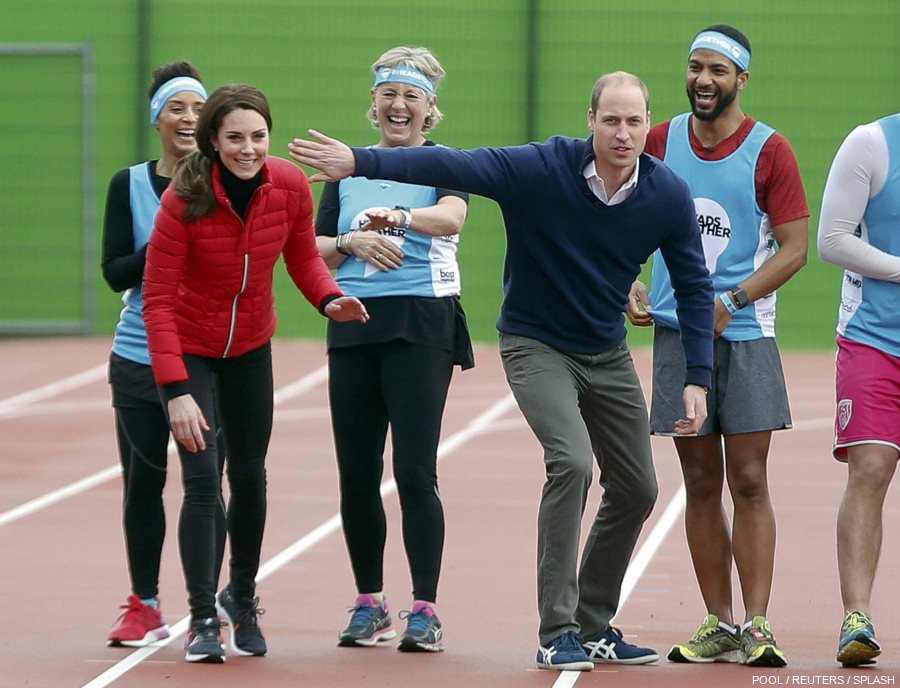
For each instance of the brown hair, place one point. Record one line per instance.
(616, 78)
(193, 174)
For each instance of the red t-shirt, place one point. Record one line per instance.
(779, 188)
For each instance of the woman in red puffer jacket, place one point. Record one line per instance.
(229, 215)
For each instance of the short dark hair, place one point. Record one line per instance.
(169, 71)
(732, 33)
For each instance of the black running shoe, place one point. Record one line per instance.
(203, 642)
(241, 616)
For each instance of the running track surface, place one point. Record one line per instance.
(63, 572)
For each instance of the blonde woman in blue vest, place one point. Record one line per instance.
(394, 246)
(176, 96)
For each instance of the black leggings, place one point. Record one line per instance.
(239, 393)
(405, 386)
(142, 434)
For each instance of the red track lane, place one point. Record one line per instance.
(63, 568)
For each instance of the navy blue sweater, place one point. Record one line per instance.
(570, 258)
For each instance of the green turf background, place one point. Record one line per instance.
(819, 68)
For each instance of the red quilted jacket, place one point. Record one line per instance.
(208, 284)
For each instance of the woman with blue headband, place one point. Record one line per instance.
(176, 95)
(394, 246)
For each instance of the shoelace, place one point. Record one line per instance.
(130, 607)
(248, 616)
(417, 621)
(362, 614)
(705, 632)
(568, 642)
(208, 631)
(856, 621)
(616, 632)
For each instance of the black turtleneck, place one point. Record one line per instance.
(238, 190)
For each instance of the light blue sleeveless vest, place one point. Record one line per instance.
(737, 235)
(429, 265)
(130, 340)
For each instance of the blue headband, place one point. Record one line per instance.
(722, 44)
(403, 74)
(165, 92)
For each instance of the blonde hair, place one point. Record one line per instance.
(421, 59)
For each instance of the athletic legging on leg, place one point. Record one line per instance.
(142, 432)
(241, 390)
(405, 386)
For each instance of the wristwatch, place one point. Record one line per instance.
(407, 216)
(739, 297)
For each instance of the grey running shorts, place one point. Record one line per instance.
(748, 392)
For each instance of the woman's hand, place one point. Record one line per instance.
(383, 218)
(347, 308)
(375, 249)
(187, 422)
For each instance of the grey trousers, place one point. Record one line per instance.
(582, 408)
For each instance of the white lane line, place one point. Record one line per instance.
(11, 405)
(566, 679)
(477, 426)
(48, 499)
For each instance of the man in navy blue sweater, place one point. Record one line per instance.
(581, 217)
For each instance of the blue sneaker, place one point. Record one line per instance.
(564, 653)
(369, 625)
(424, 632)
(610, 647)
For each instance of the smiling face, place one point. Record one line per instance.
(620, 123)
(401, 110)
(177, 124)
(243, 142)
(713, 83)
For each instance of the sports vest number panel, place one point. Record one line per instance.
(130, 340)
(429, 263)
(870, 308)
(737, 235)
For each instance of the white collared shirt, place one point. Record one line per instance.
(599, 188)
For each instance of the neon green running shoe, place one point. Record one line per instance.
(857, 644)
(759, 646)
(714, 641)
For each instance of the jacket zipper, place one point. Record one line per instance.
(237, 297)
(234, 306)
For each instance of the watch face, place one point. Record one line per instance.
(740, 298)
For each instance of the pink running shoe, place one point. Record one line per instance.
(138, 625)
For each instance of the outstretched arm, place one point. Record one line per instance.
(331, 157)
